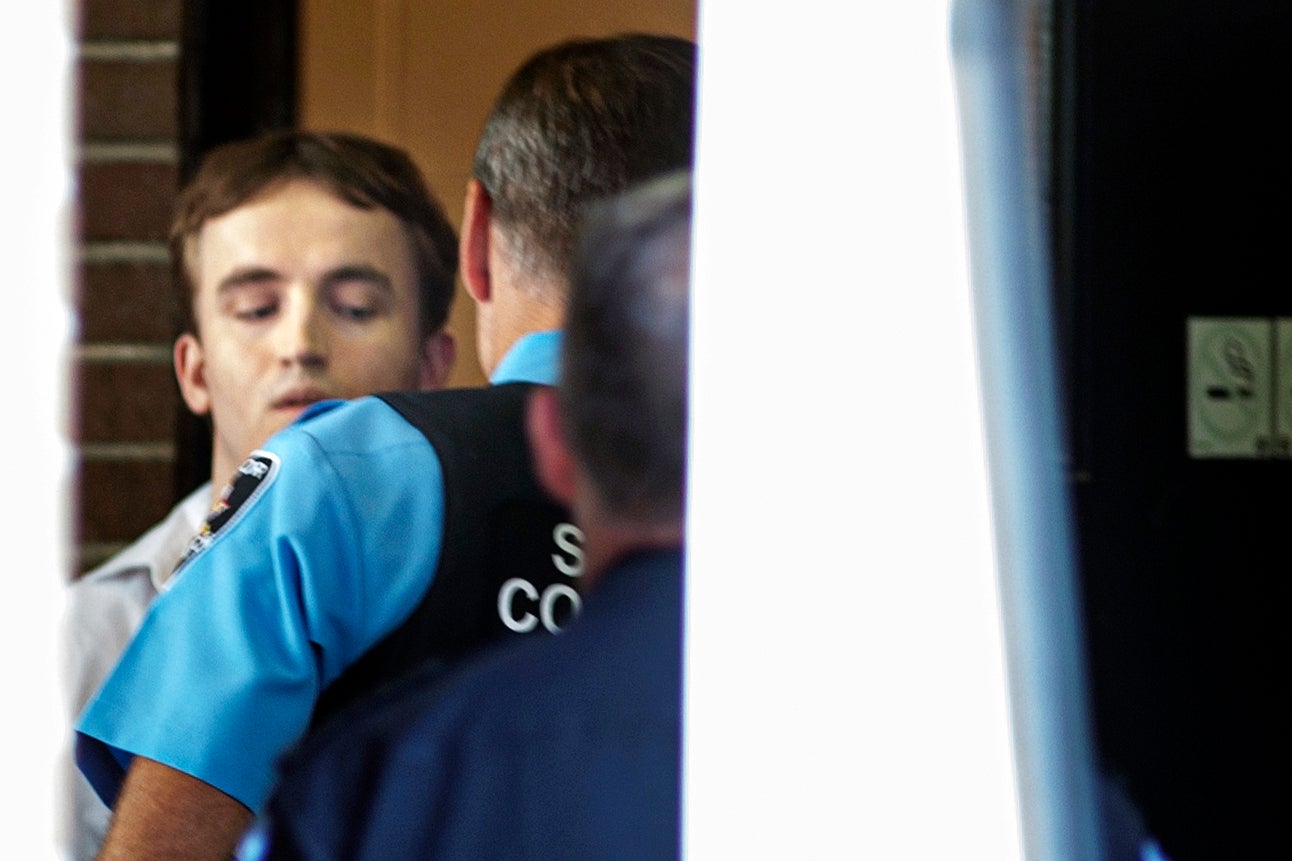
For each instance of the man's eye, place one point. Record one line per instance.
(358, 313)
(255, 312)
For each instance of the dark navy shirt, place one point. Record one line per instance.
(558, 747)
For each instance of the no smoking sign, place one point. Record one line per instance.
(1239, 371)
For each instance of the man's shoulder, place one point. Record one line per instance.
(544, 699)
(616, 664)
(390, 419)
(631, 621)
(373, 422)
(530, 687)
(492, 690)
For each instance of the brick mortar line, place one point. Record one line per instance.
(141, 354)
(113, 152)
(134, 452)
(105, 251)
(130, 50)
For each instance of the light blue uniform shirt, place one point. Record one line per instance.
(334, 552)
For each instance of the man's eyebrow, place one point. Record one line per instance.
(261, 274)
(244, 276)
(359, 272)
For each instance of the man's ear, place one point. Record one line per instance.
(438, 353)
(190, 371)
(553, 461)
(473, 245)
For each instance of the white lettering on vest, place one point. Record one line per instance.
(569, 540)
(522, 624)
(547, 607)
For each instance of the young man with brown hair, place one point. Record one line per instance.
(308, 267)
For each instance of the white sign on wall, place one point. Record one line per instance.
(1240, 370)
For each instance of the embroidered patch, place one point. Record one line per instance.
(252, 480)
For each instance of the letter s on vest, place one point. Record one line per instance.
(569, 538)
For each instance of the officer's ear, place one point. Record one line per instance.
(553, 461)
(473, 242)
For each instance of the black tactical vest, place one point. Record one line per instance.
(510, 558)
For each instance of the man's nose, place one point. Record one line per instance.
(303, 336)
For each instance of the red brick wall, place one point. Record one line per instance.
(124, 394)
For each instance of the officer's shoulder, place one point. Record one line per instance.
(342, 425)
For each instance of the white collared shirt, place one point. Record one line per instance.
(104, 609)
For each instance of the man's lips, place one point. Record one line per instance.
(299, 399)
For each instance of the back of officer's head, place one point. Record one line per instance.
(580, 121)
(623, 385)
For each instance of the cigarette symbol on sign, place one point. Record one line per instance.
(1239, 365)
(1232, 411)
(1240, 368)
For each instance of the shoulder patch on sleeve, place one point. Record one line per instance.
(253, 478)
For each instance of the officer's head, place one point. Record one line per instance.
(619, 414)
(576, 123)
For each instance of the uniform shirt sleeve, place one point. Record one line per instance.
(332, 554)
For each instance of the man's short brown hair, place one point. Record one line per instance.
(362, 172)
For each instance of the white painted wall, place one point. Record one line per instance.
(845, 686)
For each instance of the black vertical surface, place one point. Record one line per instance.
(237, 79)
(1174, 194)
(238, 74)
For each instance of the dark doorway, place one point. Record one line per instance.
(1171, 185)
(237, 79)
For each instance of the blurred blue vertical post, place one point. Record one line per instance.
(1003, 114)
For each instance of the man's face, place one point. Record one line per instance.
(299, 297)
